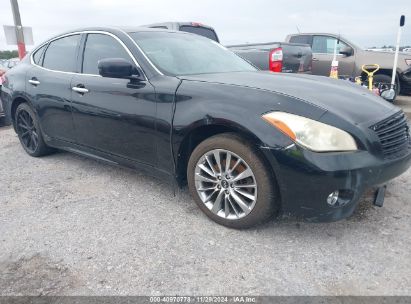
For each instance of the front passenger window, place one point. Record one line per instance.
(101, 46)
(326, 45)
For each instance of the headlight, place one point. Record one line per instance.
(408, 61)
(311, 134)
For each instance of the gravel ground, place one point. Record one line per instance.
(73, 226)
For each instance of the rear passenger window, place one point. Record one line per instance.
(100, 46)
(38, 55)
(61, 54)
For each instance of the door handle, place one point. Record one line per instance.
(34, 82)
(315, 59)
(80, 90)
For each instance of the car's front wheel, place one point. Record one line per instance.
(28, 131)
(231, 183)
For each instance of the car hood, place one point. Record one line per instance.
(343, 98)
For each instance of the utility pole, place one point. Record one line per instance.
(19, 28)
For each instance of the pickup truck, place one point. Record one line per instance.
(276, 56)
(351, 57)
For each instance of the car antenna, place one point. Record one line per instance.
(298, 30)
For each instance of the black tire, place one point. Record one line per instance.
(29, 133)
(267, 203)
(386, 80)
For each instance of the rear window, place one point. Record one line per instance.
(301, 39)
(202, 31)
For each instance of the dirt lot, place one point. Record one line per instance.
(73, 226)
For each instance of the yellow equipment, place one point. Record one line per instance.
(370, 70)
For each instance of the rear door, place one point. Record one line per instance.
(323, 53)
(49, 86)
(113, 115)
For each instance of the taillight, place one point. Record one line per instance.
(276, 60)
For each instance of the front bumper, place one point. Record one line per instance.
(405, 79)
(307, 178)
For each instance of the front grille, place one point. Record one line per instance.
(394, 135)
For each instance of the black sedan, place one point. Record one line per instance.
(250, 144)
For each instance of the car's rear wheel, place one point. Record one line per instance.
(231, 183)
(28, 131)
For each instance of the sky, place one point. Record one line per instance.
(366, 23)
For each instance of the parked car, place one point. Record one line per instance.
(351, 57)
(407, 50)
(276, 56)
(2, 63)
(2, 115)
(189, 27)
(2, 112)
(10, 63)
(250, 144)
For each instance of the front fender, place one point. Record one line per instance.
(202, 103)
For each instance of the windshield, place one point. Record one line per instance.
(179, 54)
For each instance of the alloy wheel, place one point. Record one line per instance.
(27, 131)
(226, 184)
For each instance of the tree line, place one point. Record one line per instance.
(8, 54)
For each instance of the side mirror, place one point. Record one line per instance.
(119, 68)
(347, 51)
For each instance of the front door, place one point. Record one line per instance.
(111, 114)
(323, 53)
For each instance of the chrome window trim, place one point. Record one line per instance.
(79, 33)
(141, 51)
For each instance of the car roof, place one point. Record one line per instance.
(124, 29)
(113, 30)
(127, 29)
